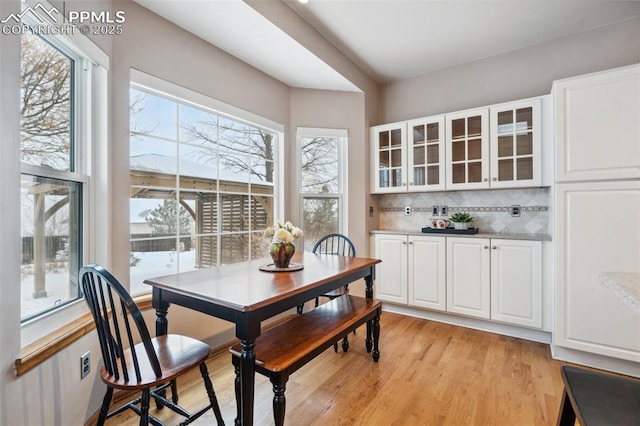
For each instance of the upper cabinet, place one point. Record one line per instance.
(468, 149)
(409, 156)
(597, 126)
(389, 157)
(490, 147)
(425, 154)
(516, 147)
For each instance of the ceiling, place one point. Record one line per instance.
(390, 40)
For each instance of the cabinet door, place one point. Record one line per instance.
(597, 134)
(516, 144)
(516, 282)
(468, 275)
(426, 270)
(391, 273)
(425, 154)
(589, 316)
(389, 157)
(467, 149)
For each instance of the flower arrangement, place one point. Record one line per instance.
(283, 233)
(282, 247)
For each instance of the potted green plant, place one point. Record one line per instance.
(461, 220)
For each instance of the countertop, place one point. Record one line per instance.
(504, 236)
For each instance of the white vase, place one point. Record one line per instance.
(461, 225)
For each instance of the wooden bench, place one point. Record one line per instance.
(282, 350)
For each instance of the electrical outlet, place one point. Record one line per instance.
(435, 210)
(85, 365)
(407, 210)
(514, 211)
(444, 210)
(370, 211)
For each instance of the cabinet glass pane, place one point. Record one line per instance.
(505, 146)
(418, 176)
(433, 153)
(524, 144)
(475, 172)
(458, 128)
(525, 168)
(458, 171)
(418, 155)
(384, 159)
(505, 170)
(418, 135)
(433, 175)
(384, 139)
(384, 178)
(475, 149)
(458, 151)
(396, 177)
(396, 137)
(505, 121)
(524, 119)
(396, 158)
(432, 132)
(475, 126)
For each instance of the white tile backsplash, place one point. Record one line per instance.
(490, 209)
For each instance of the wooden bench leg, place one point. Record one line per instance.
(566, 417)
(368, 342)
(279, 382)
(375, 354)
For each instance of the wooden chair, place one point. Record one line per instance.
(337, 244)
(597, 398)
(149, 366)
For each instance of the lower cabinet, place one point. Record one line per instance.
(412, 271)
(493, 279)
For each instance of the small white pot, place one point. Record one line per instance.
(461, 225)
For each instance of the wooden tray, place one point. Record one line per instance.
(428, 230)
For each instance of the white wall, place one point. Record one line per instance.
(514, 75)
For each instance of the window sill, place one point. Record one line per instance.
(42, 349)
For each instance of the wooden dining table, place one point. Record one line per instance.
(245, 295)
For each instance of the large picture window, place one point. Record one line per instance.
(53, 178)
(202, 186)
(322, 154)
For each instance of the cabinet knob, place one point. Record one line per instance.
(494, 247)
(486, 247)
(404, 242)
(495, 179)
(485, 180)
(410, 242)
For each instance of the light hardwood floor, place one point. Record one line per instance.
(429, 373)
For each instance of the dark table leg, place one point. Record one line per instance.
(162, 309)
(247, 380)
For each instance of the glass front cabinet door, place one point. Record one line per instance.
(425, 154)
(467, 149)
(389, 153)
(515, 144)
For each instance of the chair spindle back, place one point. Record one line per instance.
(113, 310)
(334, 244)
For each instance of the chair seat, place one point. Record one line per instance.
(601, 398)
(176, 354)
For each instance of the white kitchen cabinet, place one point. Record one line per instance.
(598, 229)
(389, 172)
(468, 276)
(495, 279)
(597, 130)
(412, 270)
(516, 282)
(467, 149)
(516, 144)
(425, 154)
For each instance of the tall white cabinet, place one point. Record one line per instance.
(597, 220)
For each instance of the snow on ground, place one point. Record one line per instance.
(150, 264)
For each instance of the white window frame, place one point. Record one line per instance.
(90, 137)
(162, 88)
(342, 194)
